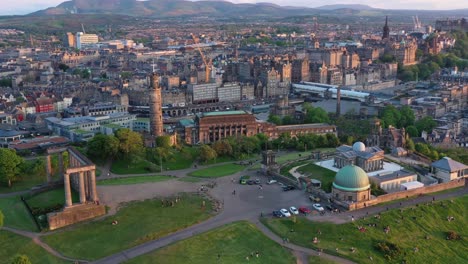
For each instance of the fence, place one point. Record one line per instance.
(31, 214)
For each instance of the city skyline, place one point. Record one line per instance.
(21, 7)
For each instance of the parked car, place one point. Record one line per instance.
(251, 182)
(257, 181)
(271, 181)
(314, 198)
(277, 214)
(293, 210)
(318, 207)
(331, 208)
(285, 213)
(244, 179)
(287, 188)
(304, 210)
(281, 184)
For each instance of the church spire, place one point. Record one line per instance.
(386, 30)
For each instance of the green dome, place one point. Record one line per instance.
(351, 178)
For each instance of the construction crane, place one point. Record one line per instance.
(205, 61)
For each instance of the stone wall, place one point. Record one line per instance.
(74, 214)
(404, 194)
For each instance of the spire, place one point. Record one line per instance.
(386, 21)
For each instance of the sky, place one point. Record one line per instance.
(19, 7)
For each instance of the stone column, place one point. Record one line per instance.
(66, 185)
(48, 168)
(82, 188)
(94, 195)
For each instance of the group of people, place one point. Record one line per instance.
(257, 254)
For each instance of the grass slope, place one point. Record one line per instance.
(13, 244)
(138, 222)
(424, 227)
(233, 242)
(126, 167)
(134, 180)
(324, 175)
(51, 198)
(16, 214)
(217, 171)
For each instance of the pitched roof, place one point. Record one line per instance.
(449, 164)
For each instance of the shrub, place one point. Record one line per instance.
(389, 250)
(451, 235)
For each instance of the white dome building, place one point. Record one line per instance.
(368, 158)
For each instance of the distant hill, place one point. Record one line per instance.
(168, 8)
(344, 6)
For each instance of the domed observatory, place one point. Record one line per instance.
(368, 158)
(351, 185)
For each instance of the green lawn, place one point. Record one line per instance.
(138, 222)
(217, 171)
(13, 244)
(324, 175)
(16, 214)
(319, 260)
(139, 166)
(134, 180)
(233, 243)
(182, 159)
(424, 227)
(51, 198)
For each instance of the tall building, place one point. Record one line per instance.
(386, 29)
(156, 121)
(85, 39)
(70, 40)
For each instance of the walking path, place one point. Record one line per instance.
(247, 204)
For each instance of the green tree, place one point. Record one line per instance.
(410, 145)
(207, 153)
(222, 148)
(63, 67)
(103, 146)
(426, 124)
(332, 140)
(163, 141)
(406, 117)
(412, 131)
(21, 259)
(130, 143)
(10, 164)
(288, 120)
(390, 116)
(274, 119)
(315, 115)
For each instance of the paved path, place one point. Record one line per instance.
(5, 195)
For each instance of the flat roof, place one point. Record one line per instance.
(389, 176)
(221, 113)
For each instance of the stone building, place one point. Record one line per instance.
(389, 138)
(369, 159)
(300, 71)
(351, 184)
(447, 169)
(282, 107)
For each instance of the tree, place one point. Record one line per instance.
(9, 165)
(222, 148)
(63, 67)
(103, 146)
(288, 120)
(130, 143)
(406, 117)
(21, 259)
(426, 124)
(412, 131)
(315, 115)
(410, 145)
(274, 119)
(163, 141)
(207, 153)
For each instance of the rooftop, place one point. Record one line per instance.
(388, 176)
(449, 164)
(221, 113)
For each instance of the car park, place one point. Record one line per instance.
(277, 214)
(318, 207)
(293, 210)
(314, 198)
(285, 213)
(304, 210)
(271, 181)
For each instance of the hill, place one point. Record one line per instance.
(343, 6)
(168, 8)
